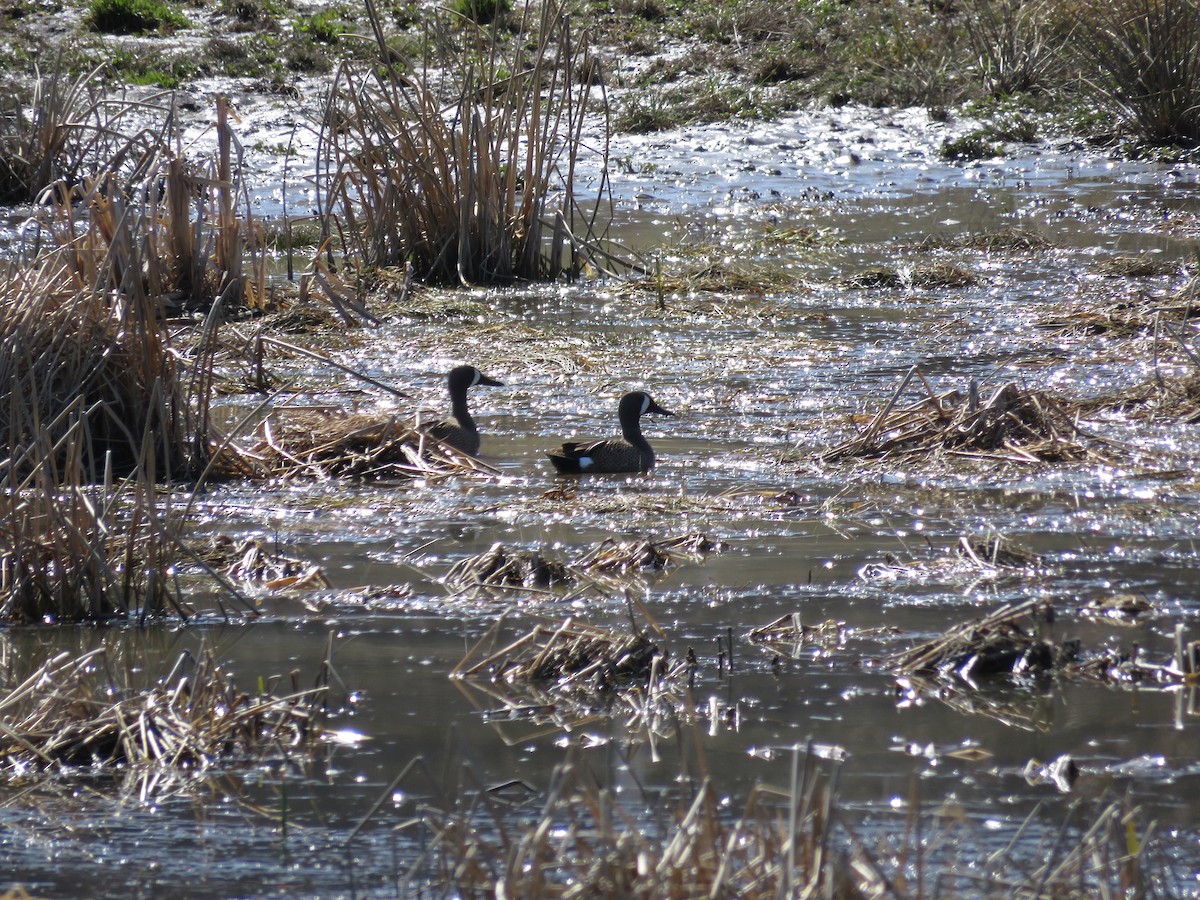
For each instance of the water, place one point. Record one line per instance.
(763, 382)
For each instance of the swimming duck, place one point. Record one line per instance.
(460, 430)
(628, 453)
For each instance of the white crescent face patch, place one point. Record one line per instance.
(645, 403)
(475, 378)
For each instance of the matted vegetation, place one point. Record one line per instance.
(355, 445)
(1011, 424)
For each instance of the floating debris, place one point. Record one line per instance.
(1123, 609)
(1012, 424)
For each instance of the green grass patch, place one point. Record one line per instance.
(133, 16)
(140, 69)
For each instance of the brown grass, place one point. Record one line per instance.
(467, 174)
(1011, 424)
(69, 712)
(301, 444)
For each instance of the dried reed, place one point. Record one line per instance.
(64, 129)
(479, 190)
(1012, 424)
(68, 712)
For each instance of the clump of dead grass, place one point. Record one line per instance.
(68, 713)
(468, 174)
(1012, 424)
(1145, 54)
(999, 240)
(935, 275)
(61, 129)
(609, 568)
(1009, 640)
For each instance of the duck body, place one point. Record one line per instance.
(460, 430)
(629, 453)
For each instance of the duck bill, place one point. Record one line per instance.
(655, 408)
(490, 382)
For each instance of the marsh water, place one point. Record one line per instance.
(764, 379)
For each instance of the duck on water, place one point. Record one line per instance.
(630, 452)
(460, 430)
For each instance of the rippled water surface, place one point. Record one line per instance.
(764, 381)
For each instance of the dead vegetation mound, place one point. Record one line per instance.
(609, 567)
(1013, 424)
(1010, 640)
(326, 445)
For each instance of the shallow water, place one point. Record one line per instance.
(762, 384)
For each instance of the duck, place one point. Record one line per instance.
(460, 430)
(628, 453)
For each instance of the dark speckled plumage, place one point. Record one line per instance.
(460, 430)
(630, 452)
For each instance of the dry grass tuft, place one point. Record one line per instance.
(1012, 424)
(1147, 55)
(61, 130)
(68, 713)
(466, 174)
